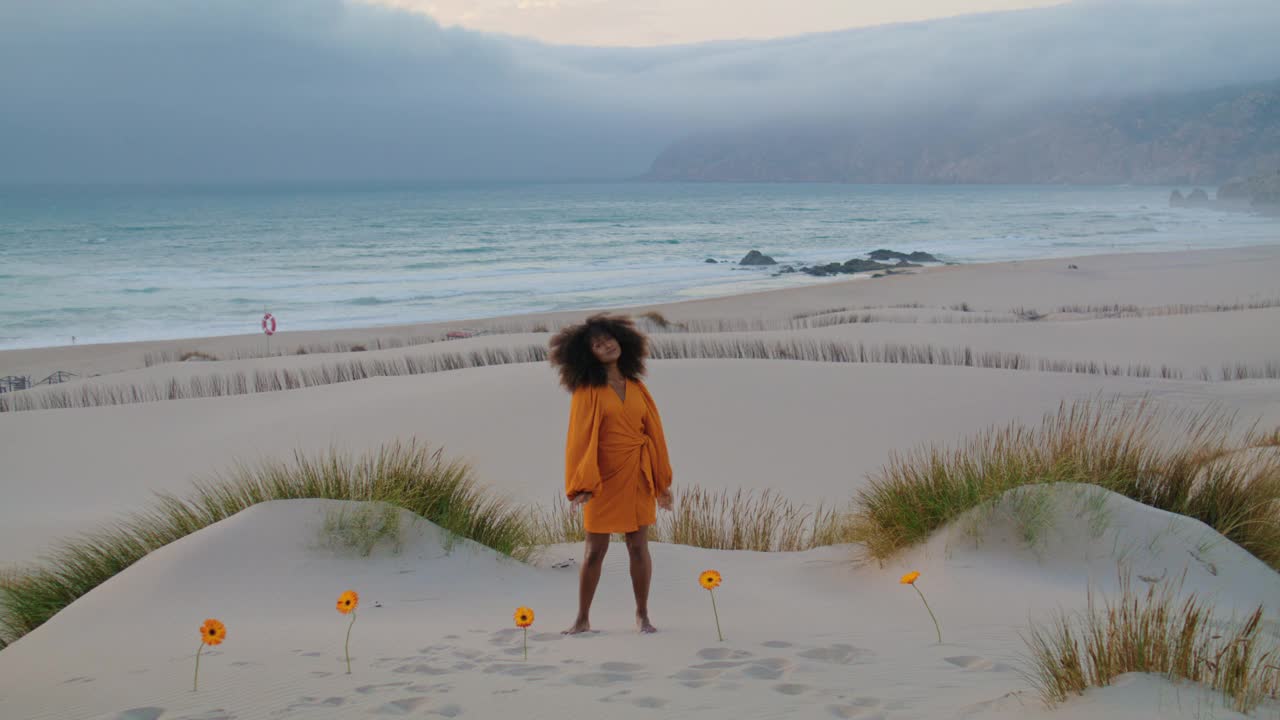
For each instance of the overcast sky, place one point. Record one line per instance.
(664, 22)
(164, 90)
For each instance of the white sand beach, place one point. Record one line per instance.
(821, 633)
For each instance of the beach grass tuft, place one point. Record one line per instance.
(1195, 465)
(408, 476)
(717, 520)
(1153, 632)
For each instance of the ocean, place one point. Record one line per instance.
(106, 264)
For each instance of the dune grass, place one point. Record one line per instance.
(96, 394)
(746, 521)
(1154, 632)
(404, 475)
(717, 520)
(1197, 465)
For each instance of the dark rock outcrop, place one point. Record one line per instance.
(755, 257)
(917, 256)
(1176, 199)
(710, 260)
(1198, 198)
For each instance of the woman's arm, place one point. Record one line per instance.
(661, 460)
(581, 463)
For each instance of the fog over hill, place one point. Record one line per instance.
(336, 90)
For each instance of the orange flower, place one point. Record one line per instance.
(524, 617)
(910, 579)
(709, 579)
(212, 632)
(348, 601)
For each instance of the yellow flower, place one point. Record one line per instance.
(709, 579)
(348, 601)
(910, 578)
(212, 632)
(524, 617)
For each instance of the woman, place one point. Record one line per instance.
(616, 464)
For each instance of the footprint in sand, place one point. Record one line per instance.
(448, 711)
(600, 679)
(142, 713)
(309, 703)
(406, 706)
(768, 668)
(863, 708)
(654, 703)
(521, 670)
(547, 637)
(696, 674)
(621, 667)
(854, 711)
(370, 689)
(776, 644)
(720, 664)
(504, 636)
(421, 669)
(77, 680)
(837, 654)
(791, 688)
(215, 714)
(722, 653)
(976, 663)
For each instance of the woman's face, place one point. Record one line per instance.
(605, 348)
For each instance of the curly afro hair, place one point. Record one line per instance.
(571, 351)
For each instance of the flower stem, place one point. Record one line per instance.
(526, 643)
(195, 682)
(347, 647)
(926, 607)
(717, 614)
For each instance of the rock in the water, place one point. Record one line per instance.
(1176, 199)
(755, 257)
(917, 256)
(856, 265)
(1198, 198)
(710, 260)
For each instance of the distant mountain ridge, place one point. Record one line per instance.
(1204, 137)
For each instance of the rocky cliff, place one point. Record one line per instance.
(1205, 137)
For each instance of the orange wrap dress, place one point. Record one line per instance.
(616, 451)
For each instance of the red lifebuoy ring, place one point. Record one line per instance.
(269, 324)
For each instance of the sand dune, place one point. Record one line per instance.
(434, 635)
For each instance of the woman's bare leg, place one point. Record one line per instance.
(641, 574)
(597, 546)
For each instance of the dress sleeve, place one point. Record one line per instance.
(581, 464)
(661, 459)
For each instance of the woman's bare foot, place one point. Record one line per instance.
(646, 627)
(582, 626)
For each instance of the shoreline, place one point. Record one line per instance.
(103, 358)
